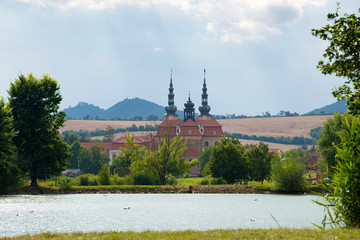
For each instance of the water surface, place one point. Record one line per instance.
(98, 212)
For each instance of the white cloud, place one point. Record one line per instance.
(157, 49)
(228, 20)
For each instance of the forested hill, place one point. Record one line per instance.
(132, 109)
(339, 107)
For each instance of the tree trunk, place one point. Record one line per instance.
(33, 180)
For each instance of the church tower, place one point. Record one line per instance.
(189, 110)
(204, 108)
(171, 108)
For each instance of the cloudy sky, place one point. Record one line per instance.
(259, 54)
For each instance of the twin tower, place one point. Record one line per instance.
(189, 110)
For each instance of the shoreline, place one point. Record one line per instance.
(141, 189)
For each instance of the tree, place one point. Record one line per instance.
(121, 165)
(329, 136)
(91, 160)
(342, 193)
(204, 157)
(343, 56)
(109, 134)
(152, 117)
(229, 161)
(37, 119)
(70, 137)
(10, 174)
(260, 161)
(162, 163)
(288, 176)
(75, 151)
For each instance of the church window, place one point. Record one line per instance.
(189, 132)
(206, 144)
(214, 132)
(114, 155)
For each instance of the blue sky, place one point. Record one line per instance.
(259, 54)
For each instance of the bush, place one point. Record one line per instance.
(205, 181)
(288, 176)
(66, 183)
(145, 179)
(103, 177)
(84, 180)
(172, 181)
(129, 180)
(217, 181)
(116, 180)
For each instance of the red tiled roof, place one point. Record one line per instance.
(106, 145)
(191, 152)
(210, 127)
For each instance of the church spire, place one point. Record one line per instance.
(189, 110)
(204, 108)
(171, 108)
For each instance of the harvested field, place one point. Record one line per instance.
(274, 127)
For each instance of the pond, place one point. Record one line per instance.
(32, 214)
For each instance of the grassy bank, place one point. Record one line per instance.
(212, 234)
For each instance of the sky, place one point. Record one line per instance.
(259, 55)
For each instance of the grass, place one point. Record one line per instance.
(189, 181)
(211, 234)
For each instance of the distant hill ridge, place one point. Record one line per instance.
(140, 109)
(135, 109)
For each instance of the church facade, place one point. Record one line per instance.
(199, 132)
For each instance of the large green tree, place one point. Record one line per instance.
(343, 56)
(329, 136)
(260, 161)
(74, 149)
(10, 175)
(229, 161)
(162, 163)
(92, 160)
(37, 119)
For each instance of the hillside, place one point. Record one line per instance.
(339, 107)
(126, 109)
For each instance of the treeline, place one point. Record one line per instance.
(150, 117)
(281, 140)
(282, 113)
(84, 134)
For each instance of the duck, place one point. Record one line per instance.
(128, 208)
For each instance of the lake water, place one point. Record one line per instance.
(31, 214)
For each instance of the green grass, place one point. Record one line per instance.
(189, 181)
(211, 234)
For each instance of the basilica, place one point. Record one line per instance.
(199, 132)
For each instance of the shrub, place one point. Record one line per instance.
(84, 180)
(205, 181)
(66, 183)
(145, 179)
(172, 181)
(217, 181)
(116, 180)
(103, 177)
(288, 176)
(129, 180)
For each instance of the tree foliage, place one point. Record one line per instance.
(329, 136)
(109, 134)
(37, 119)
(74, 149)
(229, 161)
(289, 175)
(10, 175)
(162, 163)
(343, 56)
(260, 161)
(343, 191)
(91, 160)
(204, 157)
